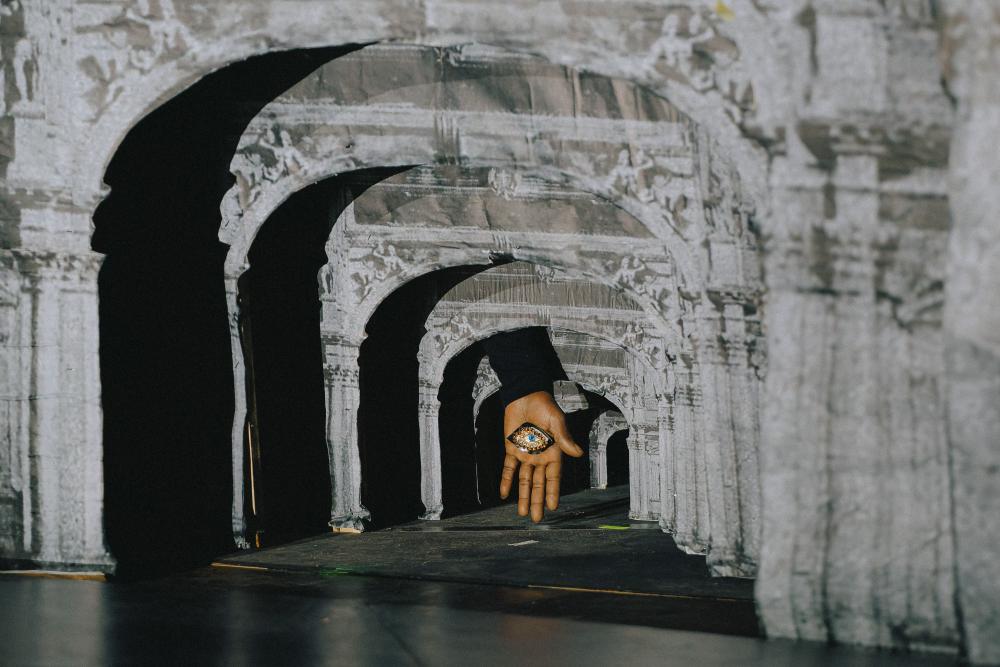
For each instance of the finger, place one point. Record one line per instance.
(507, 476)
(537, 492)
(565, 441)
(524, 489)
(553, 472)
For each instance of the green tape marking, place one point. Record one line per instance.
(610, 527)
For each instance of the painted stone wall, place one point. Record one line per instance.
(854, 454)
(864, 182)
(972, 319)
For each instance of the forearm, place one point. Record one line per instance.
(524, 361)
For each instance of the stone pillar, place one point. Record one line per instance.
(668, 496)
(647, 474)
(51, 477)
(598, 453)
(972, 320)
(238, 432)
(717, 446)
(430, 443)
(690, 499)
(343, 398)
(607, 424)
(853, 459)
(638, 502)
(738, 426)
(853, 462)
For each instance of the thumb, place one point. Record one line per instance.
(566, 443)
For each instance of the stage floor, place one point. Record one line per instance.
(588, 544)
(585, 587)
(225, 616)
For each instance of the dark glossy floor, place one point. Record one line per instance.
(237, 617)
(588, 544)
(587, 586)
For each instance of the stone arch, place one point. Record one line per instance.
(432, 374)
(168, 176)
(654, 168)
(436, 354)
(343, 326)
(701, 502)
(605, 426)
(717, 87)
(463, 316)
(167, 67)
(343, 399)
(493, 386)
(487, 385)
(638, 268)
(696, 526)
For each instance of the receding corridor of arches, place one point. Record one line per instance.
(291, 293)
(335, 296)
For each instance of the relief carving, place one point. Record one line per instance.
(144, 35)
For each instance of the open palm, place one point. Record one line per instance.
(538, 479)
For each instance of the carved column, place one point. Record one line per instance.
(598, 453)
(644, 473)
(682, 453)
(639, 502)
(668, 496)
(853, 460)
(239, 430)
(972, 320)
(51, 484)
(736, 509)
(429, 408)
(343, 398)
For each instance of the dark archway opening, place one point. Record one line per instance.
(388, 417)
(280, 314)
(576, 472)
(468, 455)
(489, 453)
(617, 458)
(165, 352)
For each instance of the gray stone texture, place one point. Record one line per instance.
(801, 188)
(972, 318)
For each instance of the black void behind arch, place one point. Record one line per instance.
(617, 458)
(280, 319)
(472, 442)
(388, 417)
(165, 354)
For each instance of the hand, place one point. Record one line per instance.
(539, 476)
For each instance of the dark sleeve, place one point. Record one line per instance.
(524, 362)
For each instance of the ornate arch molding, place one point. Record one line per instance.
(168, 46)
(488, 384)
(407, 250)
(376, 251)
(448, 337)
(633, 149)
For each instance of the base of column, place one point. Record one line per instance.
(102, 564)
(432, 514)
(350, 523)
